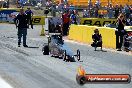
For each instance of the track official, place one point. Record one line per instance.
(120, 32)
(21, 22)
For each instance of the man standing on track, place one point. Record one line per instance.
(21, 22)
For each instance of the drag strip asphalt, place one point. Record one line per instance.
(28, 68)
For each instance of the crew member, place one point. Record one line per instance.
(97, 39)
(29, 14)
(21, 22)
(120, 32)
(66, 20)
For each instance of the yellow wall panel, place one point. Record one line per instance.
(83, 33)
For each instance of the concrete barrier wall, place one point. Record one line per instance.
(83, 33)
(108, 36)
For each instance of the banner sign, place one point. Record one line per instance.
(38, 20)
(7, 15)
(97, 21)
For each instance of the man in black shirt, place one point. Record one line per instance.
(21, 22)
(120, 32)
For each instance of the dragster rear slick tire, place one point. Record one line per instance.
(64, 55)
(78, 55)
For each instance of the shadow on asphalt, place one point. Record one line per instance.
(104, 51)
(101, 50)
(31, 47)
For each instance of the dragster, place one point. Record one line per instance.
(56, 47)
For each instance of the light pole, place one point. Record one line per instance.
(8, 4)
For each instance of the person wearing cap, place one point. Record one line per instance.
(21, 21)
(97, 39)
(29, 14)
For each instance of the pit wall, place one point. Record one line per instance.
(83, 34)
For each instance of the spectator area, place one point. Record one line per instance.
(103, 2)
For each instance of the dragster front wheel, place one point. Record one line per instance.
(78, 55)
(64, 55)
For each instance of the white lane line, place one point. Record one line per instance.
(4, 84)
(112, 50)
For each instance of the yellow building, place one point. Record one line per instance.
(103, 2)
